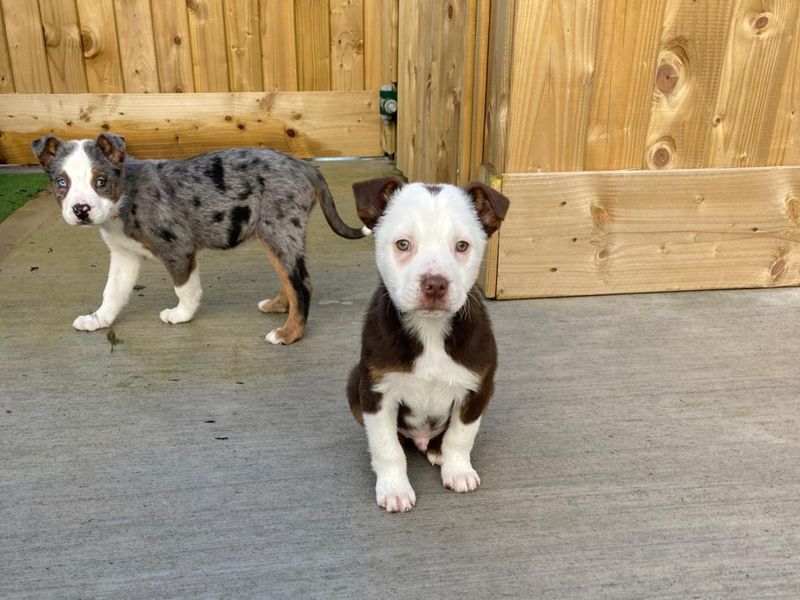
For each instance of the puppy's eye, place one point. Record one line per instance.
(100, 182)
(403, 245)
(462, 246)
(61, 182)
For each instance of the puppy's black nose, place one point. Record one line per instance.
(434, 286)
(81, 211)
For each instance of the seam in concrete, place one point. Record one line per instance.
(24, 221)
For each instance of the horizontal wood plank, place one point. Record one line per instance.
(178, 125)
(645, 231)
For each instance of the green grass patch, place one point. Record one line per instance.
(16, 190)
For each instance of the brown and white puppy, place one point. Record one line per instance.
(428, 355)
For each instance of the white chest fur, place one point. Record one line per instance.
(116, 240)
(436, 382)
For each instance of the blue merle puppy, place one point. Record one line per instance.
(170, 209)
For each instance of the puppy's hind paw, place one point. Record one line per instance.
(282, 336)
(89, 323)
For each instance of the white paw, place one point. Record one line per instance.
(89, 323)
(274, 337)
(460, 478)
(395, 494)
(174, 315)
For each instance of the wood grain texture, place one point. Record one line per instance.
(312, 29)
(26, 46)
(622, 91)
(173, 46)
(242, 29)
(498, 84)
(390, 34)
(549, 107)
(757, 54)
(62, 39)
(347, 44)
(687, 76)
(136, 46)
(373, 11)
(180, 125)
(785, 143)
(100, 46)
(645, 231)
(278, 45)
(6, 74)
(410, 99)
(471, 162)
(209, 55)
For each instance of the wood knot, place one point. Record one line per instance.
(661, 154)
(192, 5)
(760, 23)
(290, 132)
(778, 268)
(793, 208)
(666, 78)
(89, 44)
(600, 216)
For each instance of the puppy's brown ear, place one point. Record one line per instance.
(372, 197)
(491, 205)
(45, 149)
(112, 146)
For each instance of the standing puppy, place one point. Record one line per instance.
(428, 355)
(170, 209)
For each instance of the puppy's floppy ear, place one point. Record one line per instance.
(490, 204)
(112, 146)
(45, 149)
(372, 197)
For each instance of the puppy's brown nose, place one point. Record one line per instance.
(434, 286)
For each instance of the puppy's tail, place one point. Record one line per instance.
(329, 210)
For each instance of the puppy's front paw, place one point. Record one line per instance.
(460, 478)
(89, 323)
(174, 315)
(283, 335)
(395, 494)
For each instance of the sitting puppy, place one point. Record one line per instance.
(428, 355)
(170, 209)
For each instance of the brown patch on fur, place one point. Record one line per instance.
(376, 374)
(433, 189)
(372, 197)
(490, 204)
(294, 327)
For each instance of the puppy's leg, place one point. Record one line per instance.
(296, 287)
(278, 304)
(392, 488)
(457, 471)
(123, 271)
(186, 277)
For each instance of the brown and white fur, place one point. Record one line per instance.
(171, 209)
(428, 355)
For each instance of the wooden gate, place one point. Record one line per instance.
(179, 77)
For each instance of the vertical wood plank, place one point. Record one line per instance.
(242, 29)
(6, 75)
(389, 47)
(410, 64)
(686, 81)
(347, 44)
(100, 48)
(553, 62)
(622, 94)
(26, 46)
(476, 88)
(373, 42)
(754, 67)
(312, 29)
(62, 40)
(173, 47)
(136, 46)
(785, 144)
(209, 55)
(278, 45)
(498, 84)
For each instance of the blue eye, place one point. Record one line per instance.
(61, 182)
(100, 182)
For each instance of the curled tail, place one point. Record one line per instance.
(329, 210)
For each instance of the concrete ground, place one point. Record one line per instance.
(637, 447)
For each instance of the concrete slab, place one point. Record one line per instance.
(637, 447)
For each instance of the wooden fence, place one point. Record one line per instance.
(278, 51)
